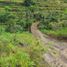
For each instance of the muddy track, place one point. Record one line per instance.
(61, 47)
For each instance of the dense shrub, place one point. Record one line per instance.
(14, 23)
(28, 3)
(53, 20)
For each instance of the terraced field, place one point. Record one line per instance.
(34, 48)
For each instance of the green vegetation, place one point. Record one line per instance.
(54, 22)
(58, 33)
(18, 47)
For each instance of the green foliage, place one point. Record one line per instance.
(28, 3)
(16, 18)
(23, 49)
(20, 18)
(12, 56)
(3, 18)
(20, 49)
(65, 1)
(51, 17)
(14, 23)
(57, 33)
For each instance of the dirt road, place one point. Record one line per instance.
(56, 46)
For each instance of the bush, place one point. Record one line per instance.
(28, 3)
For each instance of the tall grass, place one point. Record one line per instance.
(20, 49)
(59, 33)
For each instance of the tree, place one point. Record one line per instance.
(28, 3)
(3, 18)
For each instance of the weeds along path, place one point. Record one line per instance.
(56, 48)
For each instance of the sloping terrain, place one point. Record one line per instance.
(57, 53)
(18, 46)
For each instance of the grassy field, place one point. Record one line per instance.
(20, 49)
(58, 33)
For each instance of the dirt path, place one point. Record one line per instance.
(57, 46)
